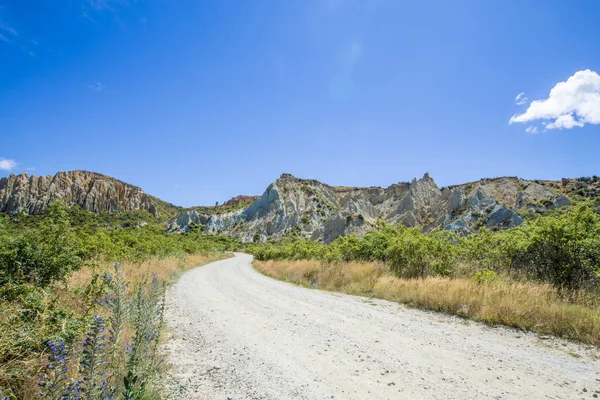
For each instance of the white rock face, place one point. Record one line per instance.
(321, 212)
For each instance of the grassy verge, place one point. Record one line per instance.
(525, 305)
(166, 269)
(30, 317)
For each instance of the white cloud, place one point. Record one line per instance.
(98, 87)
(531, 129)
(7, 165)
(575, 102)
(107, 4)
(521, 99)
(100, 4)
(8, 29)
(564, 121)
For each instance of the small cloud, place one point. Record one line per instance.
(26, 50)
(572, 103)
(7, 165)
(100, 4)
(521, 99)
(97, 87)
(532, 129)
(107, 4)
(8, 29)
(30, 169)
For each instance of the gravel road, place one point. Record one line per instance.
(236, 334)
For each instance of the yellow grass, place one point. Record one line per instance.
(166, 268)
(525, 305)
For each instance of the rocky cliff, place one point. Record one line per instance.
(309, 208)
(93, 192)
(321, 212)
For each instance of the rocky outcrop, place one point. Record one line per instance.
(93, 192)
(483, 210)
(307, 208)
(240, 201)
(321, 212)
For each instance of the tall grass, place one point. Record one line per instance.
(32, 317)
(495, 299)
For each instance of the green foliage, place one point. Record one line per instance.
(290, 248)
(485, 276)
(560, 248)
(43, 255)
(563, 251)
(407, 251)
(37, 255)
(31, 317)
(101, 375)
(416, 255)
(45, 248)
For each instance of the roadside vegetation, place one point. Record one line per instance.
(543, 276)
(74, 323)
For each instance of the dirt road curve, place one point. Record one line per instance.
(240, 335)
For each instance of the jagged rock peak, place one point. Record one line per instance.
(311, 209)
(92, 191)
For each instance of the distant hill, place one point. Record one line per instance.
(91, 191)
(311, 209)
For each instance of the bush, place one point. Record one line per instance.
(564, 251)
(561, 249)
(108, 367)
(416, 255)
(43, 256)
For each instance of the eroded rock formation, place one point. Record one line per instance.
(322, 212)
(93, 192)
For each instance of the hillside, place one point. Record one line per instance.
(309, 208)
(314, 210)
(91, 191)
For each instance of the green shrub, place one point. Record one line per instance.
(41, 256)
(416, 255)
(485, 276)
(561, 248)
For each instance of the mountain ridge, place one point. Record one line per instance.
(314, 210)
(307, 207)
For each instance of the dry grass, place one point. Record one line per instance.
(166, 268)
(524, 305)
(351, 277)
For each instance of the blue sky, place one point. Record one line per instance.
(198, 101)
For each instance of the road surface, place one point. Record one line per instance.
(236, 334)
